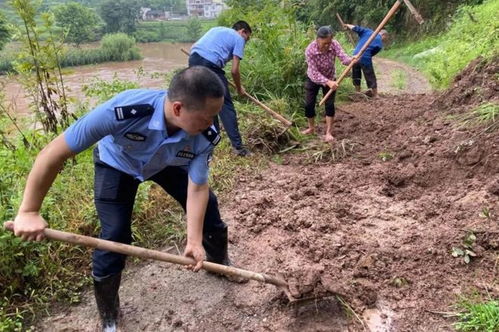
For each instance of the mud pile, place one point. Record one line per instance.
(476, 84)
(379, 227)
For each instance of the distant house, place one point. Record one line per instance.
(149, 14)
(205, 8)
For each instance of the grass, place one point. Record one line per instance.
(485, 115)
(399, 79)
(473, 32)
(478, 315)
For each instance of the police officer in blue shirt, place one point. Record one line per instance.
(365, 64)
(215, 48)
(163, 136)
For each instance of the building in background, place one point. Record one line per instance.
(205, 8)
(148, 14)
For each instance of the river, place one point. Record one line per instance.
(157, 58)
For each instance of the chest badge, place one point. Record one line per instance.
(135, 137)
(185, 154)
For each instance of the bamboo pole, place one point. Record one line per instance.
(388, 16)
(273, 113)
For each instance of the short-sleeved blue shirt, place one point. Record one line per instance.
(140, 146)
(373, 49)
(219, 45)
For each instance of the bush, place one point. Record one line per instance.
(119, 47)
(472, 33)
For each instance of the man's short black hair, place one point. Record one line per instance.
(242, 25)
(193, 85)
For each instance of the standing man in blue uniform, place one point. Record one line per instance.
(365, 63)
(217, 47)
(163, 136)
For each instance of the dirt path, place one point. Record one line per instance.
(376, 224)
(397, 78)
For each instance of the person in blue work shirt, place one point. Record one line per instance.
(215, 48)
(365, 64)
(163, 136)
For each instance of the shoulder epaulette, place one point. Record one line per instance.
(133, 111)
(212, 136)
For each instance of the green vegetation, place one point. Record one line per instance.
(478, 315)
(385, 156)
(399, 79)
(120, 15)
(173, 31)
(465, 250)
(474, 32)
(38, 65)
(193, 29)
(4, 31)
(487, 114)
(80, 23)
(113, 47)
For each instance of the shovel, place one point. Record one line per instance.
(135, 251)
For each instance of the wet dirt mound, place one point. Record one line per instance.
(476, 84)
(378, 228)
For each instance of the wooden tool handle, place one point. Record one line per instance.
(135, 251)
(273, 113)
(349, 33)
(388, 16)
(414, 12)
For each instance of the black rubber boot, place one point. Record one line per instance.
(108, 301)
(215, 244)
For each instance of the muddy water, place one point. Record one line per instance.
(157, 58)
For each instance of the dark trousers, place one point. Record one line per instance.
(369, 75)
(228, 114)
(114, 199)
(311, 92)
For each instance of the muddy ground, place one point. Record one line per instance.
(374, 220)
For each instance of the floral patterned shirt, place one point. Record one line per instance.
(321, 65)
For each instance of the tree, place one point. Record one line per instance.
(193, 29)
(4, 31)
(120, 15)
(80, 22)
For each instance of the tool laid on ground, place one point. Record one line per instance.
(388, 16)
(135, 251)
(273, 113)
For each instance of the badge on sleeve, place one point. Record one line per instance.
(133, 111)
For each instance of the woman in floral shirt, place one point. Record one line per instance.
(321, 55)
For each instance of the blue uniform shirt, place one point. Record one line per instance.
(140, 146)
(373, 49)
(219, 45)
